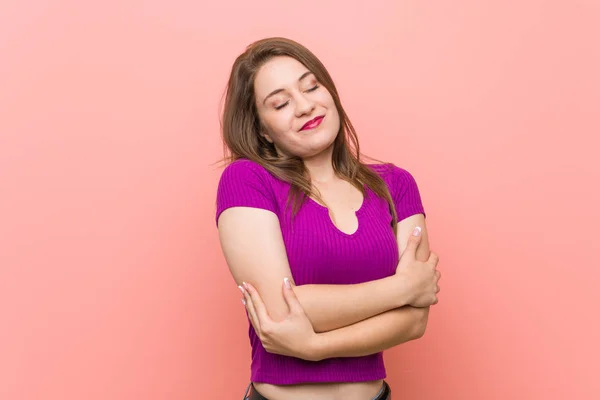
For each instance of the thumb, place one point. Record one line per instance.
(413, 242)
(290, 297)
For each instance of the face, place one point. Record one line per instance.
(297, 113)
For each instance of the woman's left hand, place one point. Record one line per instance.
(293, 336)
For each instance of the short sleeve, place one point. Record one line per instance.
(245, 184)
(405, 193)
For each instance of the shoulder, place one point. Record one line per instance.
(246, 173)
(245, 183)
(393, 175)
(403, 189)
(244, 169)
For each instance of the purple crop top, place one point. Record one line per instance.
(319, 253)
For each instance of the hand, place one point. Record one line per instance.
(421, 277)
(293, 336)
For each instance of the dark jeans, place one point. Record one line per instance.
(384, 394)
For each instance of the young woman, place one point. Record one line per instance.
(331, 254)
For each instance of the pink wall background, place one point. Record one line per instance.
(112, 282)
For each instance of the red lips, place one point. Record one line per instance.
(313, 123)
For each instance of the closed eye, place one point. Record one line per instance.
(283, 105)
(312, 89)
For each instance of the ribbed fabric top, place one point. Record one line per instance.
(319, 253)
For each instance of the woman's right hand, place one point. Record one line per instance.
(419, 278)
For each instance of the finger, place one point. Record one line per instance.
(247, 301)
(252, 313)
(252, 318)
(433, 258)
(245, 294)
(290, 297)
(413, 242)
(259, 306)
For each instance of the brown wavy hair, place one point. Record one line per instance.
(241, 127)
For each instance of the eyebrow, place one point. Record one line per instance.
(274, 92)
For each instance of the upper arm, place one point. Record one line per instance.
(409, 208)
(250, 235)
(405, 229)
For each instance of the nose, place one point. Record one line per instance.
(304, 105)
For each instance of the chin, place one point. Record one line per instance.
(322, 149)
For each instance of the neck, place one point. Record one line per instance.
(320, 167)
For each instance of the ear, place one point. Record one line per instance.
(263, 132)
(267, 137)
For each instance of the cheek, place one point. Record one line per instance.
(283, 121)
(330, 104)
(326, 98)
(278, 127)
(335, 116)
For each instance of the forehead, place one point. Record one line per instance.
(277, 73)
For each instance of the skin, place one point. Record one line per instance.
(314, 322)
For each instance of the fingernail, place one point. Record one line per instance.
(245, 285)
(241, 289)
(287, 283)
(243, 301)
(417, 231)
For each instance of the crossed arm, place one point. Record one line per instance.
(255, 253)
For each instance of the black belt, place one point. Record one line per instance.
(252, 394)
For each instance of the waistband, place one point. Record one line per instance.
(385, 393)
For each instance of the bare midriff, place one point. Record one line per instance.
(321, 391)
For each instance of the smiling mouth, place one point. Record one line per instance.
(313, 123)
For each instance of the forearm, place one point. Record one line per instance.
(331, 307)
(384, 330)
(373, 335)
